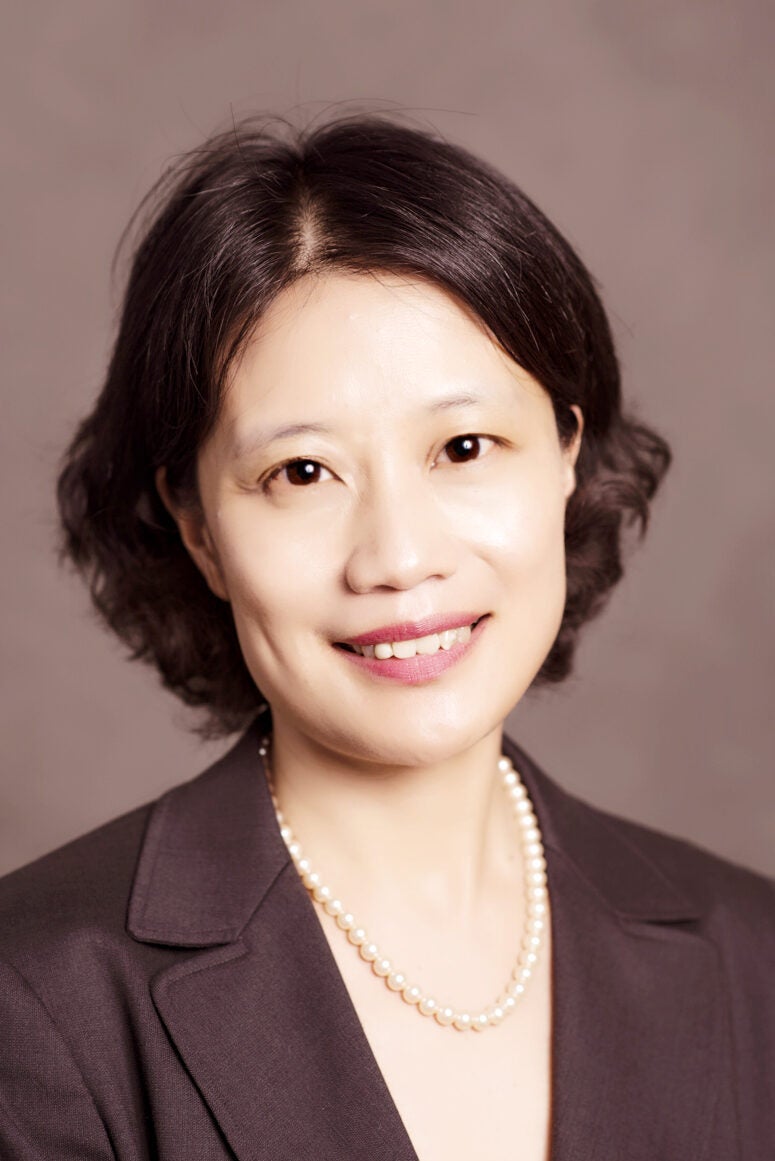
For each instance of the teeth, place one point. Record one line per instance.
(423, 646)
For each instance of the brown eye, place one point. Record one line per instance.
(464, 448)
(300, 472)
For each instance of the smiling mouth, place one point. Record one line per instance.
(419, 646)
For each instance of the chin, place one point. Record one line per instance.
(421, 740)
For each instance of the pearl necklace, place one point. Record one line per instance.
(426, 1005)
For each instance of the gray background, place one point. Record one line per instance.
(644, 129)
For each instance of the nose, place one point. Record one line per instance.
(400, 538)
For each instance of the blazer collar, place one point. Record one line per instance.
(624, 879)
(211, 852)
(265, 1025)
(213, 849)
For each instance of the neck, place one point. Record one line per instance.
(439, 835)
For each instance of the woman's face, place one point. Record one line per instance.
(381, 468)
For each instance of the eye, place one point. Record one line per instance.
(299, 473)
(465, 448)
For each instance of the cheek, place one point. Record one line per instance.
(519, 529)
(525, 550)
(271, 573)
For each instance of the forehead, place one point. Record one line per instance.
(343, 343)
(373, 312)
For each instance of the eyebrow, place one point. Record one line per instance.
(258, 440)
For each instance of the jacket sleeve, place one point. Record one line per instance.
(46, 1110)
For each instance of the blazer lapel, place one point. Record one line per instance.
(640, 1048)
(260, 1015)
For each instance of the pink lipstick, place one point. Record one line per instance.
(410, 630)
(422, 667)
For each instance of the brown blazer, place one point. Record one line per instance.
(167, 992)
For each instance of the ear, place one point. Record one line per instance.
(195, 535)
(571, 452)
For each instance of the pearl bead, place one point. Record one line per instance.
(369, 951)
(444, 1016)
(357, 935)
(412, 994)
(304, 866)
(294, 849)
(462, 1021)
(508, 1004)
(311, 880)
(346, 921)
(322, 893)
(396, 981)
(480, 1022)
(382, 967)
(286, 833)
(495, 1015)
(510, 779)
(504, 764)
(334, 907)
(428, 1006)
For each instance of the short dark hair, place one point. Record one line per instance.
(237, 221)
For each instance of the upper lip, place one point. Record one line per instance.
(409, 630)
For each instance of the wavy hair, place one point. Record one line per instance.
(227, 228)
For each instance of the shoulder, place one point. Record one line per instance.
(82, 886)
(73, 902)
(730, 906)
(734, 919)
(721, 888)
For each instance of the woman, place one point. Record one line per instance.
(358, 475)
